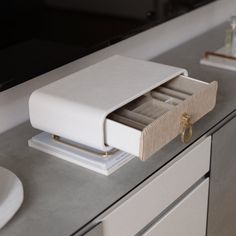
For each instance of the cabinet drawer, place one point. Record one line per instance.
(145, 125)
(152, 197)
(188, 217)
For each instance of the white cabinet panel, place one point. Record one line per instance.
(187, 218)
(222, 199)
(140, 207)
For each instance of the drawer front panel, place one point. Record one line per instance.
(145, 125)
(187, 218)
(168, 126)
(166, 186)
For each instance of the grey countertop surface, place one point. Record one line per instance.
(60, 197)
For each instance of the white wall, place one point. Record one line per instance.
(146, 45)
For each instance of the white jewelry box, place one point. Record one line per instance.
(133, 105)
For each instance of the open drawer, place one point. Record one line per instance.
(146, 124)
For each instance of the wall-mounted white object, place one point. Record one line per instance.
(11, 195)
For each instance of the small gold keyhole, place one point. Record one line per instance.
(186, 128)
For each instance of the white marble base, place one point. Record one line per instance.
(44, 142)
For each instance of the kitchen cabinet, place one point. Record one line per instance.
(222, 196)
(179, 190)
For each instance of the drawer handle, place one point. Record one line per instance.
(84, 149)
(186, 128)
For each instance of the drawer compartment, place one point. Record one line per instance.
(152, 197)
(146, 124)
(186, 218)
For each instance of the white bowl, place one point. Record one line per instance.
(11, 195)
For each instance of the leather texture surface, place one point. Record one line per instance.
(167, 127)
(76, 106)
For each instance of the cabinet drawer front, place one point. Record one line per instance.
(187, 218)
(148, 201)
(145, 125)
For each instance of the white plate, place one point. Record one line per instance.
(11, 195)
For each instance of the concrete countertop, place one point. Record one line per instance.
(61, 198)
